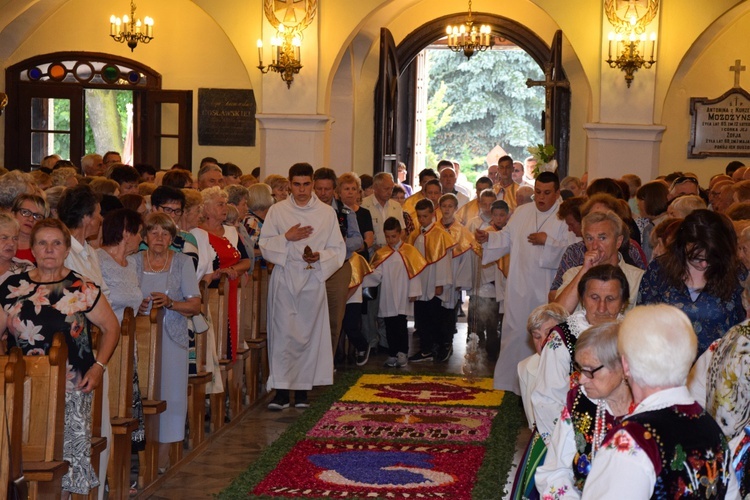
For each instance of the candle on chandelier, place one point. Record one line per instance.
(611, 38)
(112, 31)
(260, 52)
(653, 45)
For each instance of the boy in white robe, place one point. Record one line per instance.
(301, 237)
(396, 266)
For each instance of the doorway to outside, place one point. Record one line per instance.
(473, 111)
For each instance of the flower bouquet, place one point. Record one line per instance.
(544, 156)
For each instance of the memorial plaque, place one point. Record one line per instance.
(721, 126)
(226, 117)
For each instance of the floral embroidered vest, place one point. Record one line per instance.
(687, 449)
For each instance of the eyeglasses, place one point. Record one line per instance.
(169, 210)
(588, 373)
(28, 213)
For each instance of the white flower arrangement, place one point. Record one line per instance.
(544, 156)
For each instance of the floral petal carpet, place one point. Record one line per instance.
(392, 436)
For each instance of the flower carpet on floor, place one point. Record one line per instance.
(392, 436)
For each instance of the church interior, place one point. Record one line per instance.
(327, 115)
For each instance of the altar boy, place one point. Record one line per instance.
(396, 267)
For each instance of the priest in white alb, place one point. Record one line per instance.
(301, 237)
(536, 240)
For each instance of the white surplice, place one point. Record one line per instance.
(532, 269)
(396, 287)
(299, 334)
(437, 274)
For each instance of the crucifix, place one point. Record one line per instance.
(737, 68)
(549, 83)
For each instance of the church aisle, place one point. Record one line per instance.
(213, 470)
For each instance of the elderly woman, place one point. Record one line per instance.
(192, 211)
(221, 252)
(349, 188)
(9, 264)
(28, 209)
(668, 447)
(540, 323)
(121, 235)
(604, 293)
(238, 197)
(653, 202)
(167, 279)
(279, 186)
(593, 406)
(260, 200)
(37, 304)
(699, 274)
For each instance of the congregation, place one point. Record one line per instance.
(615, 308)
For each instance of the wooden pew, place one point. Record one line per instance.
(233, 369)
(250, 320)
(42, 446)
(120, 368)
(216, 311)
(12, 375)
(149, 338)
(197, 389)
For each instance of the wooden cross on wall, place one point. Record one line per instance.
(549, 83)
(737, 68)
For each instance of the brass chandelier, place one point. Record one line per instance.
(130, 29)
(467, 39)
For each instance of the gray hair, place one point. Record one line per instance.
(259, 197)
(684, 205)
(608, 216)
(659, 344)
(13, 184)
(7, 220)
(235, 193)
(382, 176)
(602, 341)
(208, 167)
(61, 175)
(212, 194)
(543, 313)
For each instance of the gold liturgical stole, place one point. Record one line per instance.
(360, 269)
(503, 262)
(464, 239)
(413, 260)
(437, 242)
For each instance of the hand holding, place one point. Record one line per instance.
(92, 379)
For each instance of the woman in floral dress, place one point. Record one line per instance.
(51, 298)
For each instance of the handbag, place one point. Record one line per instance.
(200, 324)
(18, 489)
(370, 292)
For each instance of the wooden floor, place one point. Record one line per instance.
(235, 450)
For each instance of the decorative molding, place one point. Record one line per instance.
(622, 24)
(311, 7)
(624, 132)
(301, 123)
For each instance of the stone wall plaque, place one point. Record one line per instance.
(226, 117)
(721, 126)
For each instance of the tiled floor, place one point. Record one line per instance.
(233, 452)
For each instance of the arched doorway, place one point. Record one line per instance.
(394, 107)
(44, 87)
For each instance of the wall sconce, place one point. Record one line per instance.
(630, 55)
(286, 59)
(295, 16)
(3, 102)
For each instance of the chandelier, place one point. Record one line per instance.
(465, 38)
(133, 31)
(285, 50)
(631, 54)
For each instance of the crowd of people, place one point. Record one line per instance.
(593, 299)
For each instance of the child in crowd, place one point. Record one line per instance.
(482, 221)
(362, 276)
(462, 259)
(396, 267)
(435, 244)
(487, 303)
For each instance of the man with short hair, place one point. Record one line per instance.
(602, 235)
(683, 185)
(210, 175)
(529, 164)
(337, 286)
(92, 165)
(301, 237)
(111, 158)
(524, 195)
(127, 177)
(505, 188)
(492, 173)
(448, 185)
(536, 240)
(424, 176)
(517, 172)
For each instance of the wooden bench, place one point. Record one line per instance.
(120, 369)
(149, 339)
(256, 364)
(12, 376)
(216, 312)
(197, 389)
(42, 445)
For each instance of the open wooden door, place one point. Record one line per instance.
(556, 115)
(168, 130)
(386, 107)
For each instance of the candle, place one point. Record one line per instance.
(112, 31)
(260, 52)
(653, 44)
(611, 38)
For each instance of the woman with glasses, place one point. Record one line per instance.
(598, 400)
(699, 274)
(28, 209)
(604, 293)
(9, 264)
